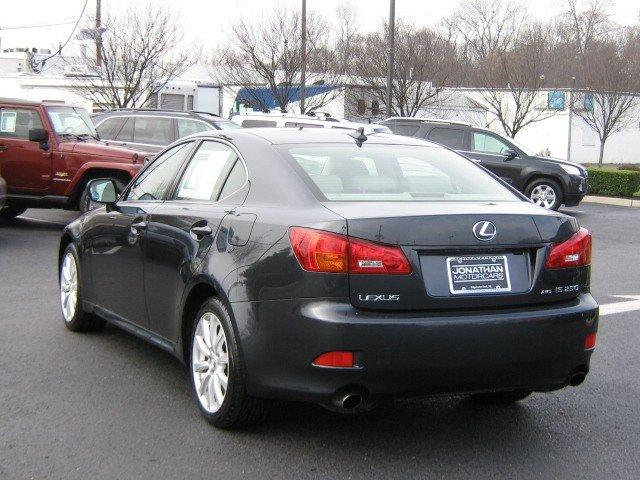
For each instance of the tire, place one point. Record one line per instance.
(9, 212)
(545, 193)
(233, 407)
(75, 318)
(84, 203)
(511, 396)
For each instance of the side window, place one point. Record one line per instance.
(153, 182)
(449, 137)
(110, 128)
(235, 180)
(126, 132)
(304, 125)
(16, 122)
(248, 123)
(406, 129)
(188, 127)
(153, 130)
(206, 172)
(488, 144)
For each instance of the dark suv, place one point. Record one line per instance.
(546, 181)
(152, 130)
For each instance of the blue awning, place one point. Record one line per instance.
(258, 97)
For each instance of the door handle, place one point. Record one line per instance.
(201, 231)
(139, 226)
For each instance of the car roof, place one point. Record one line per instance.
(158, 112)
(426, 120)
(32, 103)
(280, 136)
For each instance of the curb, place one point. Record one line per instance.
(619, 202)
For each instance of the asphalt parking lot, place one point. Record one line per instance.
(107, 405)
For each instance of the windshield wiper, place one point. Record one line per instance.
(89, 135)
(73, 135)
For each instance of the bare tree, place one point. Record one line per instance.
(348, 36)
(512, 81)
(611, 89)
(585, 22)
(425, 62)
(269, 54)
(140, 55)
(483, 27)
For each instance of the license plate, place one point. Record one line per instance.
(478, 274)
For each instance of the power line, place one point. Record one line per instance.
(38, 25)
(42, 62)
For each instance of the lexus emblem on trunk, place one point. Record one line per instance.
(484, 231)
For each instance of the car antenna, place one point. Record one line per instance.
(359, 136)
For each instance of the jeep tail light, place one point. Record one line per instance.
(575, 252)
(320, 251)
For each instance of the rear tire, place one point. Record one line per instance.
(545, 193)
(9, 212)
(511, 396)
(75, 317)
(216, 372)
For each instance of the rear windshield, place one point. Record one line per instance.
(346, 172)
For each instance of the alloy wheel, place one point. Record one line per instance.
(69, 287)
(544, 196)
(210, 362)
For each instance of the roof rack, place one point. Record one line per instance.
(432, 120)
(164, 110)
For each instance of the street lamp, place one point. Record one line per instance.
(573, 85)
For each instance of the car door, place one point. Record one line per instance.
(182, 230)
(493, 153)
(117, 239)
(26, 166)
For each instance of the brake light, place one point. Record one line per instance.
(368, 257)
(575, 252)
(340, 359)
(590, 341)
(320, 251)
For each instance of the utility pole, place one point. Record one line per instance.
(303, 73)
(392, 39)
(573, 85)
(99, 33)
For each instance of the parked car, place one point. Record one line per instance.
(546, 181)
(152, 130)
(313, 120)
(333, 267)
(48, 153)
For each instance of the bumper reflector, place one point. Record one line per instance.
(340, 359)
(590, 341)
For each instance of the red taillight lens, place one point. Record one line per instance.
(368, 257)
(319, 251)
(590, 341)
(339, 359)
(575, 252)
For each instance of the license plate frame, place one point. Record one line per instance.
(478, 274)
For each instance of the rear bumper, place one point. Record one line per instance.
(404, 354)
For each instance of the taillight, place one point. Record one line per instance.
(575, 252)
(368, 257)
(320, 251)
(336, 359)
(590, 341)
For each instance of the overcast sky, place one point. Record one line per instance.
(206, 20)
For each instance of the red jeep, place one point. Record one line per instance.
(48, 153)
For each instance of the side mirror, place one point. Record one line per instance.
(41, 136)
(510, 155)
(102, 190)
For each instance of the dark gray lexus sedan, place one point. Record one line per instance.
(333, 267)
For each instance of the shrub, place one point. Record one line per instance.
(633, 168)
(605, 181)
